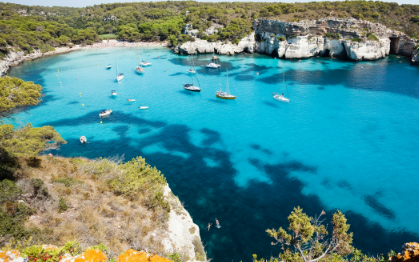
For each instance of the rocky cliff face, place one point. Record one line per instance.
(247, 44)
(352, 38)
(341, 38)
(415, 57)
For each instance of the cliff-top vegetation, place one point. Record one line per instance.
(29, 27)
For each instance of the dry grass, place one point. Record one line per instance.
(95, 214)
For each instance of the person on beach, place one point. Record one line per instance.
(209, 225)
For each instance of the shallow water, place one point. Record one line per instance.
(348, 139)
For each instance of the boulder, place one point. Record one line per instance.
(334, 48)
(367, 50)
(303, 47)
(197, 47)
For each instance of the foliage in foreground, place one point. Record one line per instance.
(28, 140)
(74, 198)
(15, 92)
(306, 241)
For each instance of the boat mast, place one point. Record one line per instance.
(139, 61)
(228, 90)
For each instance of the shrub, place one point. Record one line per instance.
(37, 253)
(137, 176)
(416, 47)
(175, 257)
(199, 249)
(28, 141)
(373, 37)
(272, 35)
(73, 248)
(62, 205)
(281, 38)
(67, 181)
(192, 230)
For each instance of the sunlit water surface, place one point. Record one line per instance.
(348, 139)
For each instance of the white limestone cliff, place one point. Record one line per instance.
(246, 44)
(182, 234)
(367, 50)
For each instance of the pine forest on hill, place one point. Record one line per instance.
(44, 28)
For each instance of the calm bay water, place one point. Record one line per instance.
(348, 139)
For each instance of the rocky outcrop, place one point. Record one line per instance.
(247, 44)
(183, 235)
(15, 58)
(330, 37)
(368, 50)
(415, 57)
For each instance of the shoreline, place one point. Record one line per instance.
(16, 58)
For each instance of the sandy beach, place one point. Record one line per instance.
(116, 43)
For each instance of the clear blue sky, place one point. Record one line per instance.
(82, 3)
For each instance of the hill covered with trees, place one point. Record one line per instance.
(28, 27)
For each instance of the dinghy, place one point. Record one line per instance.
(109, 67)
(143, 107)
(131, 100)
(83, 139)
(114, 93)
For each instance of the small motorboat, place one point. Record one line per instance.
(145, 63)
(143, 107)
(120, 77)
(114, 93)
(191, 87)
(191, 71)
(83, 139)
(131, 100)
(280, 98)
(212, 65)
(105, 112)
(109, 67)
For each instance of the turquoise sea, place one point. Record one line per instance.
(348, 139)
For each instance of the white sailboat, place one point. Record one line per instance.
(192, 70)
(145, 62)
(212, 63)
(119, 76)
(139, 69)
(281, 98)
(225, 95)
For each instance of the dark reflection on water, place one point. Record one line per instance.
(210, 191)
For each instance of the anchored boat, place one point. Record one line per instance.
(225, 95)
(114, 93)
(281, 98)
(105, 112)
(83, 139)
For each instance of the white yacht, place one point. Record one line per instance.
(105, 112)
(280, 98)
(212, 65)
